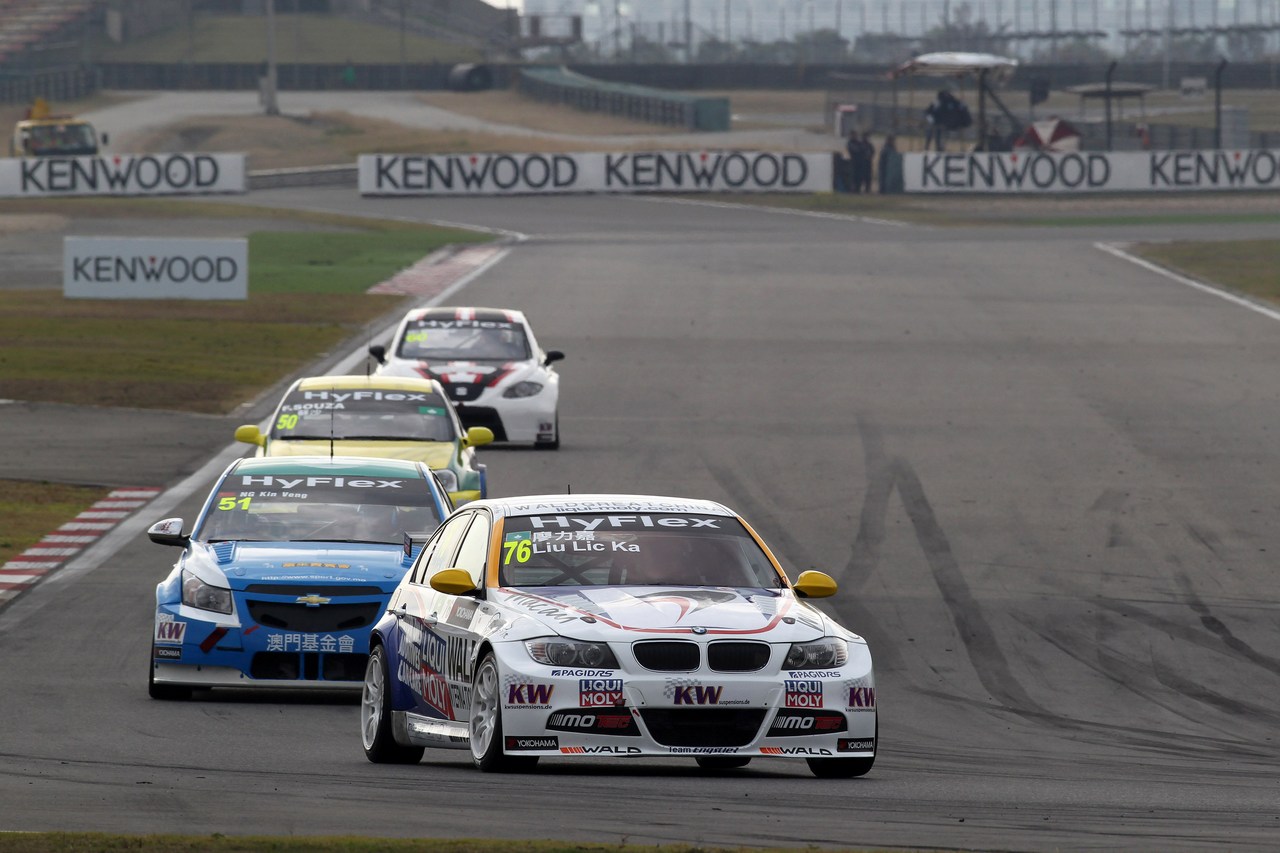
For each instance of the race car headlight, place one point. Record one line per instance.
(447, 478)
(523, 389)
(824, 654)
(196, 593)
(558, 652)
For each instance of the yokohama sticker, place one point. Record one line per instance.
(124, 174)
(516, 743)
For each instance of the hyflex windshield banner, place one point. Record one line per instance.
(621, 172)
(1084, 171)
(123, 174)
(154, 268)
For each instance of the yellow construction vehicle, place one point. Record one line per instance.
(43, 134)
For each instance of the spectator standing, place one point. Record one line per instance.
(861, 153)
(889, 169)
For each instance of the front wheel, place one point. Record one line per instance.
(486, 723)
(844, 768)
(165, 692)
(380, 745)
(553, 444)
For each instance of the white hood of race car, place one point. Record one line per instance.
(615, 613)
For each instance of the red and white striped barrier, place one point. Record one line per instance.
(27, 569)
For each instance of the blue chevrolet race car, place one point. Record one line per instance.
(289, 563)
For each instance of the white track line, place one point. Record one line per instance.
(1234, 298)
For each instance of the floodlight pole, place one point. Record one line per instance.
(1217, 103)
(269, 84)
(1111, 69)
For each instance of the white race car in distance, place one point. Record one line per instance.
(490, 364)
(613, 625)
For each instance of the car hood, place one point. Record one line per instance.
(458, 372)
(239, 564)
(436, 454)
(613, 613)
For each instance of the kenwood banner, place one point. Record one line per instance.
(123, 174)
(154, 268)
(1082, 172)
(622, 172)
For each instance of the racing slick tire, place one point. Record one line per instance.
(843, 768)
(165, 692)
(722, 762)
(380, 745)
(553, 444)
(485, 726)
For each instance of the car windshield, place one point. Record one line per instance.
(464, 340)
(369, 415)
(299, 507)
(61, 139)
(647, 549)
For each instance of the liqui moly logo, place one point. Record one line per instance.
(600, 692)
(803, 693)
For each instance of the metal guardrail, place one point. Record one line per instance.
(641, 103)
(57, 85)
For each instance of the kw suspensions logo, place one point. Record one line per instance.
(156, 174)
(684, 171)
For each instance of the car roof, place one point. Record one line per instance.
(495, 315)
(378, 382)
(330, 466)
(544, 504)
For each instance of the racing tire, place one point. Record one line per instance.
(553, 444)
(843, 768)
(379, 743)
(722, 762)
(485, 726)
(165, 692)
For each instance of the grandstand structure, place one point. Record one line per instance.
(36, 29)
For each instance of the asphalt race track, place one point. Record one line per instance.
(1043, 477)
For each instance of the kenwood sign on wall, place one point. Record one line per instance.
(1086, 171)
(618, 172)
(123, 174)
(154, 268)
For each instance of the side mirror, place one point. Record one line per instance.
(814, 585)
(553, 355)
(452, 582)
(168, 532)
(250, 434)
(379, 352)
(477, 436)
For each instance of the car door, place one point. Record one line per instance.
(423, 649)
(460, 616)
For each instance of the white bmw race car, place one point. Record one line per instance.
(613, 625)
(489, 363)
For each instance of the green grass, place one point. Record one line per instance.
(1246, 266)
(309, 262)
(299, 38)
(200, 356)
(31, 510)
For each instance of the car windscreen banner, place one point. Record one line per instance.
(594, 172)
(155, 268)
(1091, 171)
(123, 175)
